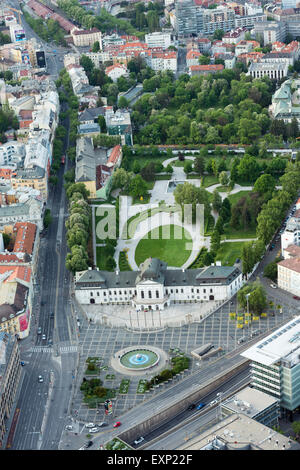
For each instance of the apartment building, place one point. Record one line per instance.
(166, 60)
(86, 37)
(275, 365)
(10, 372)
(205, 69)
(15, 299)
(116, 71)
(234, 36)
(158, 39)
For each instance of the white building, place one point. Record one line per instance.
(154, 287)
(164, 61)
(273, 70)
(291, 234)
(116, 71)
(86, 37)
(157, 39)
(275, 364)
(12, 152)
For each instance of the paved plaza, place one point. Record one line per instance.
(104, 342)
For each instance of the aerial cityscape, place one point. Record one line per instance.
(149, 227)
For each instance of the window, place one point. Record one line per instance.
(150, 294)
(157, 294)
(204, 290)
(91, 294)
(98, 294)
(142, 294)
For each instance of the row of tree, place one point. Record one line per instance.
(104, 21)
(48, 30)
(78, 227)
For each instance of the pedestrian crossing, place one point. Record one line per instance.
(61, 349)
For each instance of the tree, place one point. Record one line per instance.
(204, 60)
(270, 271)
(265, 185)
(47, 218)
(223, 178)
(257, 300)
(188, 166)
(215, 241)
(220, 225)
(148, 172)
(216, 201)
(138, 187)
(96, 47)
(123, 102)
(218, 34)
(199, 165)
(225, 211)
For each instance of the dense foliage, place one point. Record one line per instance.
(228, 107)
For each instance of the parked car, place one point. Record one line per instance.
(139, 440)
(43, 336)
(101, 425)
(117, 424)
(214, 402)
(90, 425)
(69, 427)
(296, 297)
(200, 406)
(191, 406)
(22, 363)
(40, 378)
(273, 286)
(39, 330)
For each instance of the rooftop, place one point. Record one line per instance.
(282, 344)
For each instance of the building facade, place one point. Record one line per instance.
(154, 287)
(275, 364)
(10, 371)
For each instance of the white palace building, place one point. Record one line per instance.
(154, 287)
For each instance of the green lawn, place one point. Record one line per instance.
(233, 198)
(209, 180)
(169, 249)
(229, 252)
(231, 233)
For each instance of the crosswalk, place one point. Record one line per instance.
(61, 349)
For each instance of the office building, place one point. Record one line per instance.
(275, 365)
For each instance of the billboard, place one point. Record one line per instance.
(41, 59)
(25, 58)
(108, 407)
(19, 35)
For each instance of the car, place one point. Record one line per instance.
(237, 260)
(88, 444)
(296, 297)
(191, 406)
(40, 378)
(43, 336)
(254, 333)
(242, 340)
(90, 425)
(94, 430)
(214, 402)
(200, 406)
(22, 363)
(101, 425)
(117, 424)
(50, 341)
(69, 427)
(39, 330)
(139, 440)
(273, 286)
